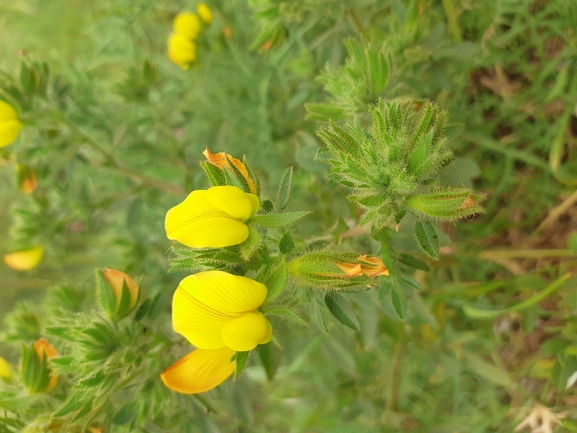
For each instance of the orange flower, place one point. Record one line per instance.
(222, 160)
(365, 265)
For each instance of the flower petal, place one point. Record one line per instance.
(198, 323)
(247, 331)
(187, 24)
(197, 224)
(199, 371)
(229, 294)
(9, 131)
(232, 201)
(24, 260)
(7, 112)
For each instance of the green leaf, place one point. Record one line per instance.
(250, 246)
(268, 359)
(427, 239)
(317, 315)
(342, 310)
(274, 221)
(142, 310)
(276, 282)
(413, 262)
(286, 244)
(15, 403)
(399, 300)
(126, 414)
(240, 359)
(287, 314)
(284, 191)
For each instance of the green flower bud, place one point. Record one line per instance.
(118, 293)
(447, 204)
(36, 373)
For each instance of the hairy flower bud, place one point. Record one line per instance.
(36, 373)
(447, 204)
(236, 168)
(118, 293)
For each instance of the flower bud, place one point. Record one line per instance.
(24, 260)
(36, 373)
(336, 270)
(447, 204)
(118, 293)
(5, 369)
(27, 180)
(234, 166)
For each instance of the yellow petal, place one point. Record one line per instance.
(197, 224)
(24, 260)
(5, 369)
(199, 371)
(204, 12)
(9, 131)
(247, 331)
(198, 323)
(232, 201)
(187, 24)
(228, 294)
(7, 112)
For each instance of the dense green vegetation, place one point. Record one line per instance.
(476, 341)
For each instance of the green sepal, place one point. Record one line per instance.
(287, 314)
(276, 282)
(252, 174)
(240, 358)
(342, 310)
(427, 239)
(250, 246)
(284, 191)
(323, 112)
(106, 295)
(35, 372)
(274, 221)
(214, 174)
(448, 204)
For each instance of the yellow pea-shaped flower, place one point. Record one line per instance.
(218, 313)
(5, 369)
(10, 126)
(24, 260)
(187, 24)
(212, 218)
(181, 50)
(205, 13)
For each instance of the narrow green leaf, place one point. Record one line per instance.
(142, 310)
(276, 282)
(413, 262)
(126, 414)
(284, 191)
(399, 300)
(15, 403)
(240, 359)
(269, 360)
(342, 310)
(274, 221)
(427, 239)
(105, 294)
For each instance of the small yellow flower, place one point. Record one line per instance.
(205, 13)
(5, 369)
(10, 126)
(24, 260)
(187, 24)
(181, 50)
(221, 160)
(218, 313)
(212, 218)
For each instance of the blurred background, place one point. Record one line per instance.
(117, 142)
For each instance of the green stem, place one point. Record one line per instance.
(524, 254)
(393, 401)
(205, 403)
(452, 19)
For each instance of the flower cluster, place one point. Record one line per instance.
(182, 42)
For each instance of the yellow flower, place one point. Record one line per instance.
(221, 160)
(5, 369)
(204, 12)
(212, 218)
(187, 24)
(218, 313)
(24, 260)
(181, 50)
(10, 126)
(364, 265)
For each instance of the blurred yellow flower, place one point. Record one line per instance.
(223, 160)
(218, 313)
(181, 50)
(24, 260)
(212, 218)
(5, 369)
(205, 13)
(10, 126)
(187, 24)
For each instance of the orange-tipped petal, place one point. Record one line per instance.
(223, 160)
(199, 371)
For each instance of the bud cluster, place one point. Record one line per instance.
(390, 166)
